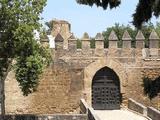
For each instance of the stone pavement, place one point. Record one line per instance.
(118, 115)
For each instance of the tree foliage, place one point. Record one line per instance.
(100, 3)
(18, 20)
(143, 13)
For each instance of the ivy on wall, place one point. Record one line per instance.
(151, 87)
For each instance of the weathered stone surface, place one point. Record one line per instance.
(126, 40)
(85, 36)
(153, 40)
(140, 40)
(72, 44)
(113, 36)
(113, 40)
(99, 36)
(140, 36)
(135, 106)
(153, 113)
(70, 76)
(99, 41)
(46, 117)
(62, 27)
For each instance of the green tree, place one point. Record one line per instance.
(79, 44)
(143, 13)
(18, 20)
(92, 43)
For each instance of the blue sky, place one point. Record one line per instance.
(89, 19)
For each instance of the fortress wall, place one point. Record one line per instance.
(58, 92)
(69, 78)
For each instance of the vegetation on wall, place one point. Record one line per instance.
(151, 87)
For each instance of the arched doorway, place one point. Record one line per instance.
(106, 90)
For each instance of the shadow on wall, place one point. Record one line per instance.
(151, 87)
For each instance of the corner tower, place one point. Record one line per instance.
(63, 28)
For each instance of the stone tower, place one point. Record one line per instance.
(64, 29)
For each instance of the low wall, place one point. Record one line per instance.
(153, 113)
(46, 117)
(92, 115)
(83, 107)
(135, 106)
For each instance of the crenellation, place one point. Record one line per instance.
(100, 50)
(153, 40)
(59, 41)
(154, 44)
(126, 40)
(85, 42)
(99, 41)
(140, 40)
(113, 40)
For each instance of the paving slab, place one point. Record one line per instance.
(118, 115)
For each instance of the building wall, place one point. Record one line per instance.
(69, 78)
(58, 92)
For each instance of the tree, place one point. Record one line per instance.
(144, 10)
(18, 20)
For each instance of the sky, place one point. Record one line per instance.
(89, 19)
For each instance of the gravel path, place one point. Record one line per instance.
(118, 115)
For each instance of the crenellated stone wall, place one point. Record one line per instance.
(69, 78)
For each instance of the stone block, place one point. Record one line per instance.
(140, 40)
(137, 107)
(126, 40)
(153, 113)
(85, 44)
(72, 44)
(113, 40)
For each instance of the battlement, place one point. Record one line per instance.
(113, 40)
(152, 51)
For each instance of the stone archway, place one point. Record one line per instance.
(106, 90)
(91, 70)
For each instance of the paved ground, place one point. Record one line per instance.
(118, 115)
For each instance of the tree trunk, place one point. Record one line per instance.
(5, 72)
(2, 98)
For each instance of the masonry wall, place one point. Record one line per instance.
(58, 92)
(69, 78)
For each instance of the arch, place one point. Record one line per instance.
(92, 68)
(106, 90)
(107, 72)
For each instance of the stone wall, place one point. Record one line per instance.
(148, 112)
(58, 92)
(69, 78)
(137, 107)
(46, 117)
(153, 113)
